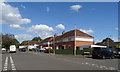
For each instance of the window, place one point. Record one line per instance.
(69, 39)
(69, 47)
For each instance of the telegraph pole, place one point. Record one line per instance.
(54, 44)
(109, 41)
(75, 42)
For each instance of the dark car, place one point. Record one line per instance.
(22, 49)
(102, 53)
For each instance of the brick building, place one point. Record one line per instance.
(68, 40)
(26, 44)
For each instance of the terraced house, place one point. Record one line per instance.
(68, 40)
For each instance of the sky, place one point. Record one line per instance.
(27, 20)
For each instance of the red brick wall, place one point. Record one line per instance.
(72, 43)
(65, 43)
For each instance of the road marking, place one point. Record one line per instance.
(12, 63)
(6, 64)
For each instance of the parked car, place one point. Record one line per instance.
(117, 52)
(46, 51)
(3, 50)
(43, 49)
(103, 53)
(22, 49)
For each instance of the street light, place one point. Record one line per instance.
(54, 44)
(108, 40)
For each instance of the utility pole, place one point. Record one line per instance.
(54, 44)
(109, 41)
(75, 42)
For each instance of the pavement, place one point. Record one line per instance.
(43, 61)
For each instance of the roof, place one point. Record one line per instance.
(106, 43)
(72, 33)
(28, 42)
(46, 40)
(66, 34)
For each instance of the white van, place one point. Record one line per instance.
(12, 48)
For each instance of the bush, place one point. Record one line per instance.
(64, 52)
(79, 52)
(50, 50)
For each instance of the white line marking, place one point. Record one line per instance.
(6, 64)
(12, 63)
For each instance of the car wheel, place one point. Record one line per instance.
(103, 57)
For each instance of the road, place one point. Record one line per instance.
(42, 61)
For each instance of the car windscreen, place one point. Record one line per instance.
(96, 49)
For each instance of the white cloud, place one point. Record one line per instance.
(116, 28)
(43, 31)
(115, 39)
(23, 36)
(16, 26)
(11, 15)
(23, 6)
(87, 31)
(60, 26)
(75, 7)
(47, 9)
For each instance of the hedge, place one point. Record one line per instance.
(71, 52)
(64, 52)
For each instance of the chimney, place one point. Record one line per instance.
(55, 35)
(38, 41)
(63, 32)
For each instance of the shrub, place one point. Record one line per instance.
(64, 52)
(50, 50)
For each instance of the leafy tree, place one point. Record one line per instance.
(24, 41)
(7, 41)
(15, 42)
(107, 40)
(118, 46)
(36, 39)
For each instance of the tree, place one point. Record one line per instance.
(36, 39)
(118, 46)
(107, 40)
(15, 42)
(7, 41)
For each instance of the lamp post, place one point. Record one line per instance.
(109, 41)
(75, 42)
(54, 44)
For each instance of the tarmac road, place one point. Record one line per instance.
(42, 61)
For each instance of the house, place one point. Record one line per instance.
(48, 42)
(108, 44)
(68, 40)
(29, 44)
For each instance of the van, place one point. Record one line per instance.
(12, 49)
(103, 53)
